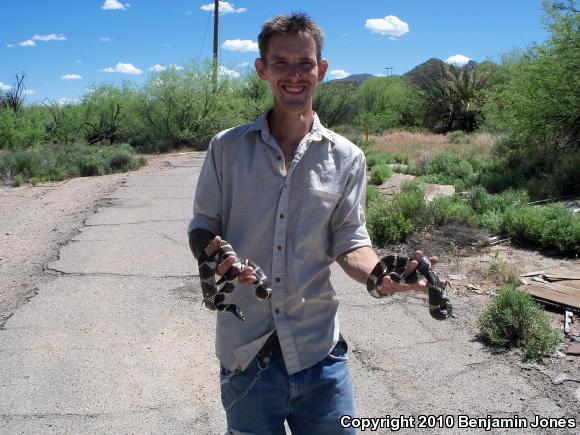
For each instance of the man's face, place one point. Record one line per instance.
(292, 70)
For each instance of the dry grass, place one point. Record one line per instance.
(420, 146)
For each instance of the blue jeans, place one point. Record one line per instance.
(311, 401)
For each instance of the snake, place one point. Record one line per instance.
(394, 266)
(215, 292)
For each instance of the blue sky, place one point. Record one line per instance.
(65, 46)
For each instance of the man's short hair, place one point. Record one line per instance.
(292, 24)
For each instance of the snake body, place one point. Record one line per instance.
(214, 293)
(394, 267)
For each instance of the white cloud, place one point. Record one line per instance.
(188, 13)
(79, 61)
(29, 92)
(27, 43)
(4, 87)
(338, 74)
(225, 8)
(123, 68)
(105, 39)
(244, 65)
(113, 5)
(71, 77)
(390, 25)
(158, 68)
(243, 45)
(51, 37)
(223, 71)
(457, 60)
(9, 45)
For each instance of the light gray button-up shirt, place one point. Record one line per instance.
(291, 223)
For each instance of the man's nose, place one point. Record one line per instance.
(295, 71)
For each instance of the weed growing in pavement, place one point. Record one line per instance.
(513, 319)
(501, 271)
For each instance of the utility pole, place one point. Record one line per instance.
(389, 68)
(216, 14)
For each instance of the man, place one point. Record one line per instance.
(287, 194)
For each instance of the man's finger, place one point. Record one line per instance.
(213, 246)
(433, 260)
(225, 265)
(247, 276)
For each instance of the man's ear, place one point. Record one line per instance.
(322, 67)
(260, 68)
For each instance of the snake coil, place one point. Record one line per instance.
(394, 267)
(214, 293)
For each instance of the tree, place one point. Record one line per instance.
(454, 96)
(540, 100)
(14, 97)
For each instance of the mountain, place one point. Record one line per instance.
(356, 78)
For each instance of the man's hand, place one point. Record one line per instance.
(245, 277)
(389, 287)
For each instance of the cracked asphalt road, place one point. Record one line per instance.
(114, 339)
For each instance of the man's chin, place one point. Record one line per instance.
(295, 106)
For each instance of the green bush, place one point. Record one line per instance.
(17, 180)
(450, 169)
(380, 173)
(376, 158)
(391, 219)
(550, 227)
(513, 319)
(54, 162)
(458, 137)
(444, 209)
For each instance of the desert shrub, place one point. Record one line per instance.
(450, 169)
(457, 137)
(376, 157)
(17, 180)
(483, 202)
(513, 319)
(379, 173)
(444, 209)
(54, 163)
(549, 227)
(501, 271)
(391, 219)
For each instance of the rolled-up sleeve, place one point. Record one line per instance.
(348, 220)
(207, 204)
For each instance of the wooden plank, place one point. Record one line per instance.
(534, 273)
(562, 273)
(573, 284)
(556, 293)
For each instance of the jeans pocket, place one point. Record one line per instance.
(339, 353)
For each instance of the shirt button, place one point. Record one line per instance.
(281, 216)
(277, 311)
(279, 248)
(277, 279)
(279, 158)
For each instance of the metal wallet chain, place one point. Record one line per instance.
(262, 366)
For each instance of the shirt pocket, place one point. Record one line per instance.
(315, 211)
(316, 208)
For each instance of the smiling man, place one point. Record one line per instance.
(288, 194)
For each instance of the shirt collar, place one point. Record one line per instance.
(318, 131)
